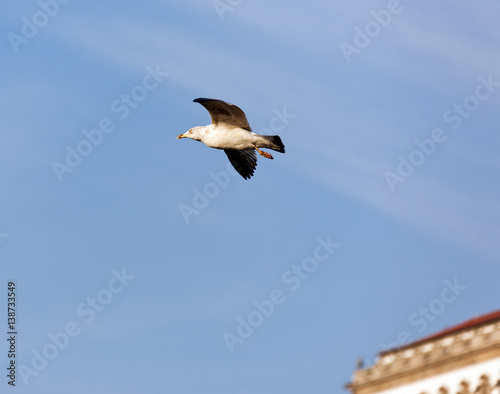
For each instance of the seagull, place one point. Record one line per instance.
(231, 132)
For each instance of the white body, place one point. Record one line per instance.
(228, 137)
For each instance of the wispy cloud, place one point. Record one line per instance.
(465, 218)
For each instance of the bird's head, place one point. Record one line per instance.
(193, 133)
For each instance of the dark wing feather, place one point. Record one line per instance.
(244, 161)
(222, 112)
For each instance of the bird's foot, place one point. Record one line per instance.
(265, 154)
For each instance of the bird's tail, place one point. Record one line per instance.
(274, 143)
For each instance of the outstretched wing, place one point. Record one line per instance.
(222, 112)
(244, 161)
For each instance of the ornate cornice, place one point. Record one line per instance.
(428, 358)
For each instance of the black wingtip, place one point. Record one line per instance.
(202, 100)
(246, 173)
(244, 161)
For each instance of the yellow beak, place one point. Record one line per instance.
(181, 136)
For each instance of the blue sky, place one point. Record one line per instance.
(379, 224)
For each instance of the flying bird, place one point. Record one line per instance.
(231, 132)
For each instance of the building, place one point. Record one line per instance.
(464, 359)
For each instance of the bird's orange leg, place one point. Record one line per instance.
(265, 154)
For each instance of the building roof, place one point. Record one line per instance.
(470, 343)
(474, 322)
